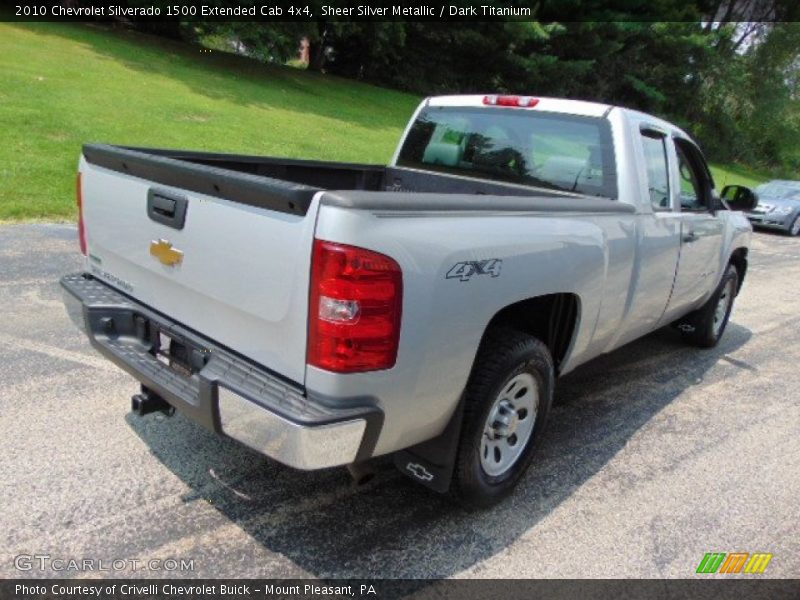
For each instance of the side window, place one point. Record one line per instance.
(694, 183)
(655, 156)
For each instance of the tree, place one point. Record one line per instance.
(711, 65)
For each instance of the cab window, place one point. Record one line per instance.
(655, 155)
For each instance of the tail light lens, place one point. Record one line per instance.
(354, 309)
(81, 224)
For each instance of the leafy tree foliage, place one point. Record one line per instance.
(728, 71)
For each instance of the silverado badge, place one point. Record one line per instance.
(163, 251)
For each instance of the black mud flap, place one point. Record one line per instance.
(431, 463)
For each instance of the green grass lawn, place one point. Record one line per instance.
(63, 85)
(736, 174)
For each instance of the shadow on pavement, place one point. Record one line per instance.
(394, 528)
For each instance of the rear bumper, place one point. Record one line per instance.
(227, 393)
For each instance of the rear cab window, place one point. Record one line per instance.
(654, 145)
(556, 151)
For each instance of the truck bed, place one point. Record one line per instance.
(288, 185)
(242, 229)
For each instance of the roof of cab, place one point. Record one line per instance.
(562, 105)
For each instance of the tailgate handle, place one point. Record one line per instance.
(167, 208)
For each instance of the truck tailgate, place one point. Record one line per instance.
(242, 277)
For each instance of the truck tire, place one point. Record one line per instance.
(705, 326)
(506, 404)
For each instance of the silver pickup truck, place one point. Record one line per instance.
(326, 314)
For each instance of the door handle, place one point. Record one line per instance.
(690, 237)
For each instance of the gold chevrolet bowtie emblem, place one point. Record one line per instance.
(163, 251)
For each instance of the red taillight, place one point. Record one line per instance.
(518, 101)
(81, 225)
(354, 309)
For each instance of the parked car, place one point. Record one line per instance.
(328, 313)
(778, 206)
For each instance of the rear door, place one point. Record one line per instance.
(234, 272)
(701, 230)
(657, 238)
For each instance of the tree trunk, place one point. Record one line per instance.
(316, 50)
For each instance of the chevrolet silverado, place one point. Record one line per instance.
(328, 313)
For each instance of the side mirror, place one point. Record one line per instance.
(739, 197)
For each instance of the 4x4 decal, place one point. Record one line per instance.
(465, 270)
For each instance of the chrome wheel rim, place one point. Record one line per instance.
(509, 425)
(796, 226)
(724, 302)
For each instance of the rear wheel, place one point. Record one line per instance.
(506, 405)
(705, 326)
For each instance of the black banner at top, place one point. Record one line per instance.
(401, 10)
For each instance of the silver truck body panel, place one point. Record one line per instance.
(620, 266)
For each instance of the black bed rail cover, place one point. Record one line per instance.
(254, 190)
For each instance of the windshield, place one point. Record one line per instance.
(555, 151)
(779, 190)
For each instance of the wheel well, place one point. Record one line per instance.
(549, 318)
(739, 260)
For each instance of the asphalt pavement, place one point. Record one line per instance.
(655, 455)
